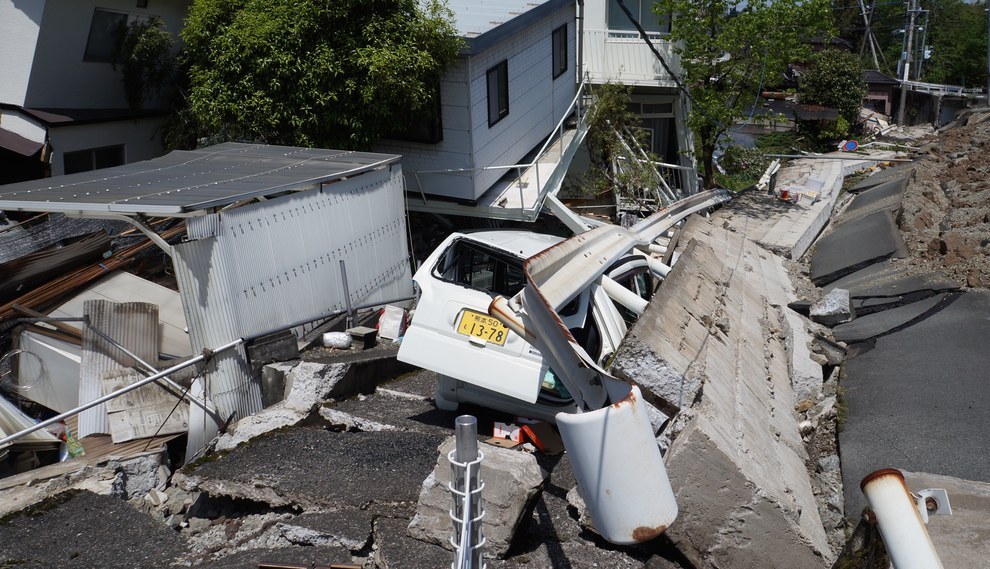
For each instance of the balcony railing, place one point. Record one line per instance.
(623, 57)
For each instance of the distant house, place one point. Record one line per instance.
(880, 91)
(62, 104)
(500, 102)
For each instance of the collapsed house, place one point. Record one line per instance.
(276, 239)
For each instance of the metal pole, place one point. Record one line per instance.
(988, 52)
(903, 531)
(907, 62)
(151, 369)
(117, 393)
(467, 511)
(347, 295)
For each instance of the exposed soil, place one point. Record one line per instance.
(945, 218)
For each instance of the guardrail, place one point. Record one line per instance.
(922, 87)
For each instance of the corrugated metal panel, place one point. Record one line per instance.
(134, 325)
(184, 182)
(277, 262)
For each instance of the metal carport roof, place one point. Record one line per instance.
(184, 183)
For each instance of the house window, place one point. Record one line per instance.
(498, 93)
(93, 159)
(559, 51)
(105, 33)
(642, 11)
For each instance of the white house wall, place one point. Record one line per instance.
(59, 76)
(141, 139)
(268, 265)
(536, 103)
(536, 100)
(20, 22)
(454, 151)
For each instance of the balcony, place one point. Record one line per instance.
(623, 57)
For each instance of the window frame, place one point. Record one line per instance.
(499, 86)
(119, 154)
(662, 26)
(99, 44)
(558, 47)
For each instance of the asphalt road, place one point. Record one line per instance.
(919, 400)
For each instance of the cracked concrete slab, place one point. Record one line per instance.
(738, 467)
(880, 323)
(920, 399)
(962, 540)
(854, 245)
(312, 468)
(62, 533)
(886, 196)
(903, 170)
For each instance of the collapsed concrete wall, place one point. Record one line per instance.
(718, 336)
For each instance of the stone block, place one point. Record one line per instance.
(513, 482)
(833, 308)
(308, 384)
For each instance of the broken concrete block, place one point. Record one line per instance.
(513, 482)
(310, 384)
(273, 382)
(136, 476)
(348, 422)
(833, 308)
(662, 386)
(277, 347)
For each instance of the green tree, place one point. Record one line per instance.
(835, 79)
(614, 132)
(957, 34)
(730, 50)
(146, 60)
(314, 73)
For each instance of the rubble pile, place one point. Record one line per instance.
(946, 211)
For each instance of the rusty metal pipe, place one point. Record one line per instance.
(903, 531)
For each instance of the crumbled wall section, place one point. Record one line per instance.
(738, 465)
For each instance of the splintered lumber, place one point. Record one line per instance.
(75, 279)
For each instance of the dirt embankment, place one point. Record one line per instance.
(945, 217)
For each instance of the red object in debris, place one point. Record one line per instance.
(785, 195)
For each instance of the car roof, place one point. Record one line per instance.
(523, 244)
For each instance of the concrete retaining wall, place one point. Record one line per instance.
(738, 463)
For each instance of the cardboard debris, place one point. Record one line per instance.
(144, 412)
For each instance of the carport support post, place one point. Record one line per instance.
(347, 295)
(465, 490)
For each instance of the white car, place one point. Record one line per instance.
(478, 359)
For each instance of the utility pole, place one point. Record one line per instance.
(868, 36)
(905, 75)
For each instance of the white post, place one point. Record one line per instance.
(904, 533)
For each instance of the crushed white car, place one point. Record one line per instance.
(523, 323)
(479, 359)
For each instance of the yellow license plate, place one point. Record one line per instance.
(482, 326)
